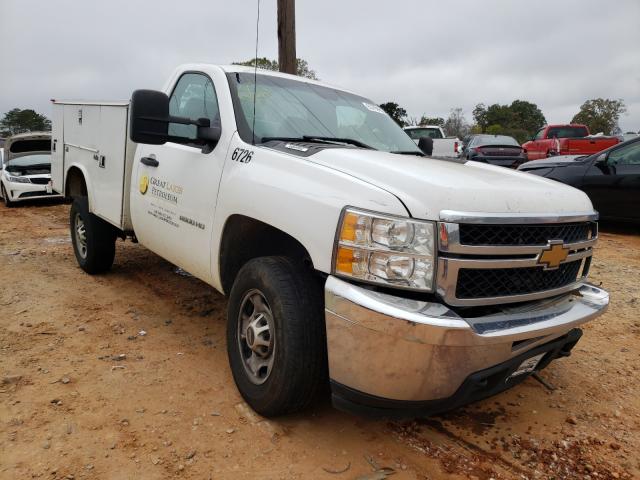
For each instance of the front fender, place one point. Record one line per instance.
(296, 196)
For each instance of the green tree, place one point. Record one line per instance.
(480, 117)
(526, 116)
(303, 69)
(424, 120)
(396, 112)
(20, 121)
(264, 63)
(495, 129)
(500, 115)
(520, 120)
(601, 115)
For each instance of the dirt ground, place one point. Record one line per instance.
(86, 393)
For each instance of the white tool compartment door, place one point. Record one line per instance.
(57, 148)
(107, 169)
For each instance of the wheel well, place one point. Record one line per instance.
(75, 186)
(245, 238)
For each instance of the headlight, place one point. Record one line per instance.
(18, 179)
(387, 250)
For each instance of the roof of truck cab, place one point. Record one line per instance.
(271, 73)
(202, 67)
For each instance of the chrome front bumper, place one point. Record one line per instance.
(405, 350)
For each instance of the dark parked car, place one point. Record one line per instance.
(495, 149)
(611, 178)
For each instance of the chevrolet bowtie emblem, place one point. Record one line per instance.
(553, 255)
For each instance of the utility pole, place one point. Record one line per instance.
(287, 36)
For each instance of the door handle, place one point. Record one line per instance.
(150, 161)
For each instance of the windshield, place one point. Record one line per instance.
(291, 109)
(494, 140)
(29, 161)
(567, 132)
(418, 133)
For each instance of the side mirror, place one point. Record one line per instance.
(150, 119)
(426, 145)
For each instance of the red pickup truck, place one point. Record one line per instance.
(570, 139)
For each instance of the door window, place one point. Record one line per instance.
(627, 155)
(539, 134)
(194, 97)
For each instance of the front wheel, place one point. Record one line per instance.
(93, 239)
(276, 339)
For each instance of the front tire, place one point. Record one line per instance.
(5, 196)
(276, 338)
(93, 239)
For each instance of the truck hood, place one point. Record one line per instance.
(428, 186)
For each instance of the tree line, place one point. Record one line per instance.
(521, 119)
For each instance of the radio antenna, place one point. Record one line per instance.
(255, 77)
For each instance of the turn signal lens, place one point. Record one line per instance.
(348, 231)
(351, 262)
(344, 260)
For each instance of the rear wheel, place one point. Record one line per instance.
(275, 335)
(5, 197)
(93, 239)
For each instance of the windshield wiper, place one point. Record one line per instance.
(409, 152)
(313, 138)
(349, 141)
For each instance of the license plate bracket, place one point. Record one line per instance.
(527, 366)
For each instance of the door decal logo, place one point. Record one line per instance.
(144, 184)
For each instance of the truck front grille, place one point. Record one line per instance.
(473, 234)
(508, 262)
(502, 282)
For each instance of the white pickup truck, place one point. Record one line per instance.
(413, 285)
(443, 146)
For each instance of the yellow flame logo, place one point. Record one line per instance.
(144, 184)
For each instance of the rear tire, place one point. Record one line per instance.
(276, 338)
(5, 196)
(93, 239)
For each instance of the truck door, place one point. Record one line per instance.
(175, 186)
(534, 149)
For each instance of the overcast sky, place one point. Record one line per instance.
(427, 55)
